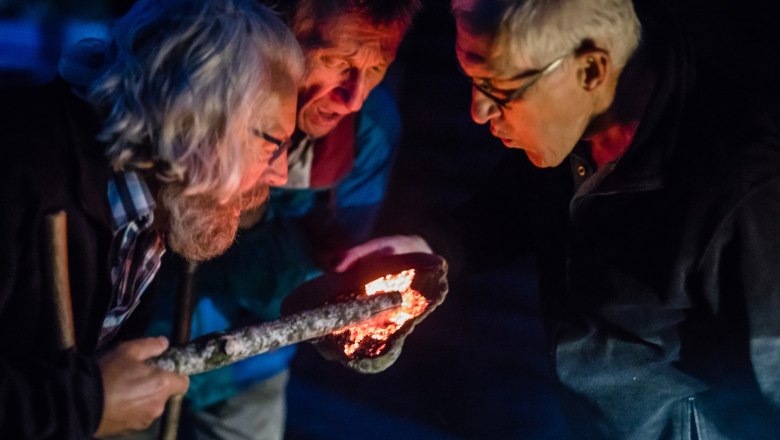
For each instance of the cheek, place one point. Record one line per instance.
(564, 130)
(318, 84)
(251, 176)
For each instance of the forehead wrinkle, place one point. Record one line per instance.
(352, 50)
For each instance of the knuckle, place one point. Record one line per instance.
(157, 410)
(162, 383)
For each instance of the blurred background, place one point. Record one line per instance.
(477, 367)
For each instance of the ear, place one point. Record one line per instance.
(593, 67)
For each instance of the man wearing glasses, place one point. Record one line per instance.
(658, 258)
(149, 142)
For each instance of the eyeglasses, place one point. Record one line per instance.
(281, 145)
(511, 95)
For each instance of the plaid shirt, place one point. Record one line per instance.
(136, 250)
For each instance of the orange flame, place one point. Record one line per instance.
(373, 336)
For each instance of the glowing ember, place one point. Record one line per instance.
(372, 338)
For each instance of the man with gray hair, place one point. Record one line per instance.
(658, 256)
(158, 138)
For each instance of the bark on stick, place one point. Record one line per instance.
(219, 349)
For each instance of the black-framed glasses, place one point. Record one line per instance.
(511, 95)
(281, 145)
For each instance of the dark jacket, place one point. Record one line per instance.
(50, 162)
(666, 322)
(660, 284)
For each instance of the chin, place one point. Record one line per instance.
(541, 161)
(314, 125)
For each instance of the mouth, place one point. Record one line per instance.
(500, 135)
(327, 118)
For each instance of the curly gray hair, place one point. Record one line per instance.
(184, 83)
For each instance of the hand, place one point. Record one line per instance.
(135, 393)
(391, 245)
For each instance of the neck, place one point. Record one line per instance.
(613, 131)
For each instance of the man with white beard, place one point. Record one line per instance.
(157, 138)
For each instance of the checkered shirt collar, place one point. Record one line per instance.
(130, 200)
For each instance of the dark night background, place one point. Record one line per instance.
(476, 368)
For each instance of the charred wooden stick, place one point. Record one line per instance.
(58, 279)
(217, 350)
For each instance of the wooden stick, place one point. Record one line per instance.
(217, 350)
(182, 329)
(57, 277)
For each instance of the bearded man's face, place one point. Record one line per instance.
(199, 227)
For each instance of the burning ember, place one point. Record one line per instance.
(371, 339)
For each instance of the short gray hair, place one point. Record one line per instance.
(184, 82)
(538, 31)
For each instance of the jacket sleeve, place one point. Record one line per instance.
(59, 398)
(43, 395)
(742, 284)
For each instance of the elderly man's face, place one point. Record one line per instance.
(351, 58)
(545, 121)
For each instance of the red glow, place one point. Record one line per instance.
(372, 337)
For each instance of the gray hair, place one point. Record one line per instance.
(538, 31)
(184, 83)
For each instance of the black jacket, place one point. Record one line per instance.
(50, 162)
(661, 283)
(666, 322)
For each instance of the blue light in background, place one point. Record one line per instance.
(30, 49)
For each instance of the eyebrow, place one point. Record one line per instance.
(470, 56)
(475, 58)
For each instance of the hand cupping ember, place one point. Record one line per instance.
(373, 346)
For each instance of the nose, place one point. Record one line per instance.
(276, 173)
(483, 109)
(353, 90)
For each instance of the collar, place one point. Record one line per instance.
(644, 165)
(322, 163)
(130, 200)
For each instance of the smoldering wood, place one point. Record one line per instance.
(220, 349)
(430, 281)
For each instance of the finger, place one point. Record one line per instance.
(145, 348)
(354, 254)
(347, 260)
(420, 245)
(178, 383)
(371, 248)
